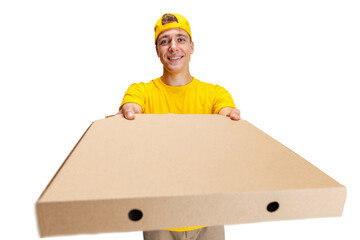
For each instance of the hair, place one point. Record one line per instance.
(168, 18)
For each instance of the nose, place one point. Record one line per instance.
(173, 46)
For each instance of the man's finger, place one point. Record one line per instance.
(129, 115)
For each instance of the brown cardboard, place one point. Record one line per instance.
(181, 171)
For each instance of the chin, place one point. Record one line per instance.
(175, 70)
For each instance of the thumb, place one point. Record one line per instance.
(235, 115)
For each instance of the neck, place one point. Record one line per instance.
(176, 79)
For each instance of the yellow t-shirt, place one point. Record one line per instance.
(194, 98)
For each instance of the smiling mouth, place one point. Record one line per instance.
(174, 58)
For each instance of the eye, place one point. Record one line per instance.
(181, 40)
(164, 41)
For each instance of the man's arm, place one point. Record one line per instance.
(231, 112)
(128, 110)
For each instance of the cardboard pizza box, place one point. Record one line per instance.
(163, 171)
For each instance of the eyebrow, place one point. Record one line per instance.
(182, 35)
(177, 35)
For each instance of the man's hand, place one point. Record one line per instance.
(129, 110)
(231, 112)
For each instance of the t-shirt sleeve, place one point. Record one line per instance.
(222, 99)
(135, 94)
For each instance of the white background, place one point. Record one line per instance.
(292, 68)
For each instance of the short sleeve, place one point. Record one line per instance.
(136, 93)
(222, 99)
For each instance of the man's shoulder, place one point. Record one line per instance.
(145, 84)
(207, 84)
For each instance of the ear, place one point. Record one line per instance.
(157, 50)
(192, 47)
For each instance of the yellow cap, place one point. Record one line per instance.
(181, 23)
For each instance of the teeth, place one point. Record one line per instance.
(175, 58)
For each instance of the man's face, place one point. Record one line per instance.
(174, 49)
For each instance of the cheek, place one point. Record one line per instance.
(189, 49)
(162, 52)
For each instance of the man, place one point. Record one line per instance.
(176, 91)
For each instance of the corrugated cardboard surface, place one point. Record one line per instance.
(179, 171)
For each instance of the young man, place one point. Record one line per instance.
(176, 91)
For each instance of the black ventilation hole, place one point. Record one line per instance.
(273, 206)
(135, 215)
